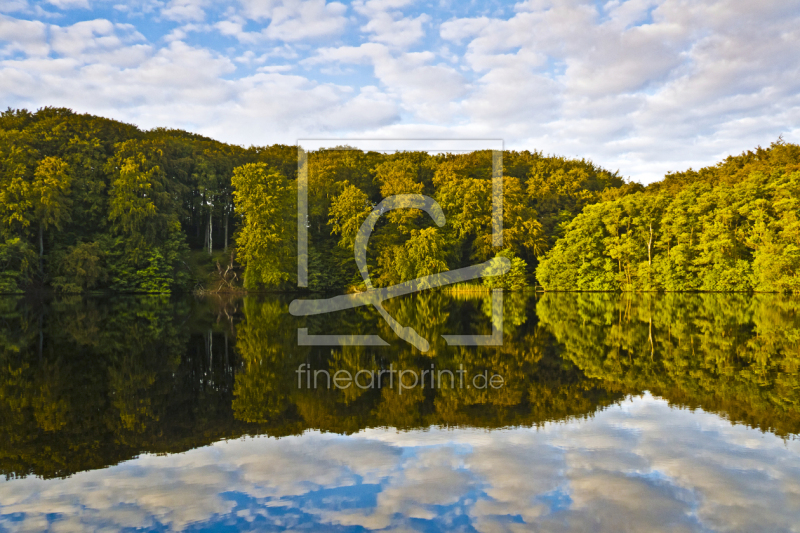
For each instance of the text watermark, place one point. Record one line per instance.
(432, 378)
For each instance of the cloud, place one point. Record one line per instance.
(643, 86)
(427, 91)
(69, 4)
(289, 20)
(639, 84)
(388, 26)
(457, 30)
(11, 6)
(28, 37)
(637, 466)
(136, 8)
(107, 68)
(102, 66)
(101, 42)
(185, 10)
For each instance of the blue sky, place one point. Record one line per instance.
(643, 86)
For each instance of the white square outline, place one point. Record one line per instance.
(304, 339)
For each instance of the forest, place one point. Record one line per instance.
(92, 204)
(89, 204)
(731, 227)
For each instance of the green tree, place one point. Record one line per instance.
(264, 202)
(348, 211)
(81, 268)
(50, 194)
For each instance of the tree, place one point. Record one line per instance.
(516, 277)
(264, 202)
(718, 229)
(16, 265)
(423, 254)
(81, 268)
(132, 206)
(348, 211)
(50, 197)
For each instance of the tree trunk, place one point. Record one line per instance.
(226, 353)
(200, 222)
(226, 230)
(650, 247)
(41, 247)
(210, 350)
(210, 229)
(41, 335)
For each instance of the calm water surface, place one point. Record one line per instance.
(618, 413)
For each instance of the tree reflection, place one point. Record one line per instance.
(733, 354)
(89, 382)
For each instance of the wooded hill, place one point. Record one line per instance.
(734, 226)
(88, 203)
(92, 204)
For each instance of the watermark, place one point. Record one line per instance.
(433, 378)
(376, 296)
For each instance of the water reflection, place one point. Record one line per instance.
(736, 355)
(618, 471)
(89, 383)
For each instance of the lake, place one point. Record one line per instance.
(596, 412)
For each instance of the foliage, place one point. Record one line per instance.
(146, 199)
(423, 254)
(732, 227)
(81, 268)
(110, 207)
(50, 192)
(732, 354)
(17, 261)
(264, 201)
(89, 381)
(515, 279)
(348, 211)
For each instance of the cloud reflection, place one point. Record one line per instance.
(638, 466)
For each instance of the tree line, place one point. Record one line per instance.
(88, 203)
(734, 226)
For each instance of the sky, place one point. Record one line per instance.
(640, 86)
(623, 469)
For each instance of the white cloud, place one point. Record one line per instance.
(183, 31)
(140, 7)
(395, 30)
(11, 6)
(644, 86)
(641, 85)
(309, 19)
(637, 466)
(69, 4)
(28, 37)
(289, 20)
(457, 30)
(428, 91)
(391, 27)
(100, 42)
(185, 10)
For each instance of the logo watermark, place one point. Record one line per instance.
(376, 296)
(432, 378)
